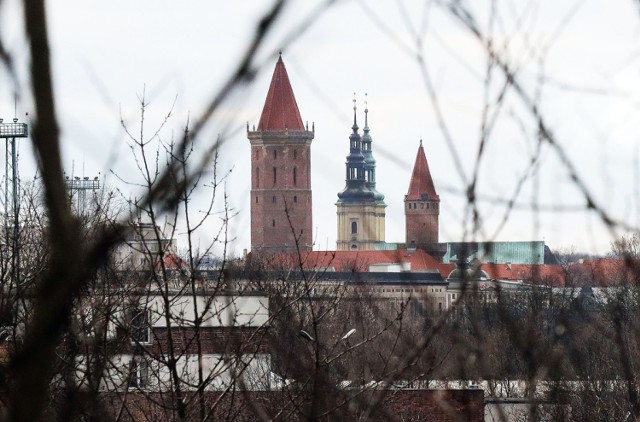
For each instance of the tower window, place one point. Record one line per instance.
(295, 154)
(257, 177)
(273, 223)
(256, 154)
(295, 199)
(275, 154)
(256, 199)
(275, 174)
(273, 199)
(295, 176)
(354, 227)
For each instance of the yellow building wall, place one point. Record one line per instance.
(369, 219)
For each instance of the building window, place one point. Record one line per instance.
(257, 152)
(140, 327)
(257, 177)
(295, 176)
(295, 199)
(275, 154)
(275, 174)
(273, 223)
(273, 199)
(295, 154)
(139, 373)
(354, 227)
(256, 199)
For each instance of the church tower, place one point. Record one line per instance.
(421, 206)
(280, 172)
(361, 208)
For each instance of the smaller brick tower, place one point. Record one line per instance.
(421, 206)
(280, 172)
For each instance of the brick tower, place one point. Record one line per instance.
(280, 172)
(421, 206)
(360, 207)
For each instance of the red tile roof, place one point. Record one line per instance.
(604, 272)
(280, 109)
(548, 275)
(421, 181)
(359, 261)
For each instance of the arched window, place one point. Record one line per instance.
(295, 176)
(354, 227)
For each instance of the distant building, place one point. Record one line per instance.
(144, 248)
(527, 252)
(360, 207)
(281, 172)
(421, 206)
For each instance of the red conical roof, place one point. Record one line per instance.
(280, 110)
(421, 181)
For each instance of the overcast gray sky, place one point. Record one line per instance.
(584, 52)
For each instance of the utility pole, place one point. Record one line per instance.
(10, 132)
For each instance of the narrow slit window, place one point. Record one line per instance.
(275, 175)
(295, 176)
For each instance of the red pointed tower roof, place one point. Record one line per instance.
(280, 110)
(421, 181)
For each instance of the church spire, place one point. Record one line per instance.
(367, 152)
(421, 187)
(355, 122)
(360, 207)
(280, 111)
